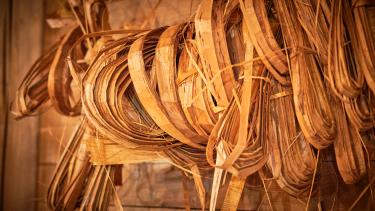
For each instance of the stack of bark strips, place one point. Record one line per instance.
(246, 87)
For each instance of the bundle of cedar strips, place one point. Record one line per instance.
(247, 86)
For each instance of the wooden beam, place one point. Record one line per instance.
(23, 47)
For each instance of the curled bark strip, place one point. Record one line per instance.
(350, 157)
(59, 78)
(32, 94)
(166, 71)
(261, 35)
(212, 46)
(242, 127)
(145, 91)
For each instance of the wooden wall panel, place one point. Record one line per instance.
(23, 47)
(4, 25)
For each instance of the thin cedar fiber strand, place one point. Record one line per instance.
(245, 87)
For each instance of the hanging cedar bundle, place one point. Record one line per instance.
(292, 161)
(32, 94)
(248, 86)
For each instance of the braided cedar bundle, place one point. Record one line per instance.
(310, 99)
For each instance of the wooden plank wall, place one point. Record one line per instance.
(4, 22)
(23, 45)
